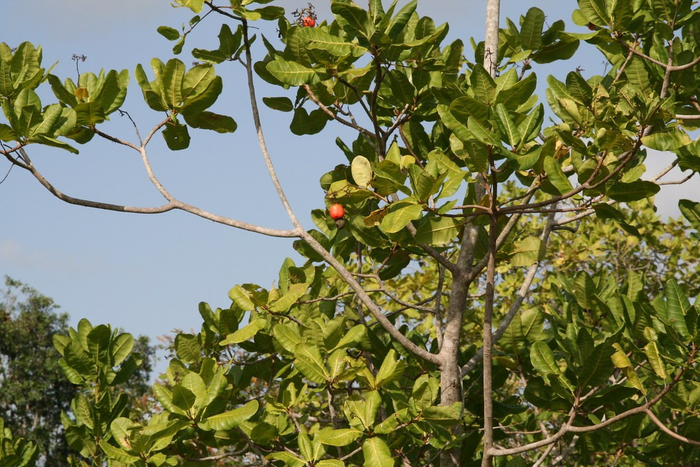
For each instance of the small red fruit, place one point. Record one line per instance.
(308, 22)
(337, 211)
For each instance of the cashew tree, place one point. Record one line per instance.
(433, 322)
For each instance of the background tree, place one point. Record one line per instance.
(409, 334)
(34, 390)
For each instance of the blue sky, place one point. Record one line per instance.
(147, 274)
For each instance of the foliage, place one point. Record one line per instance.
(36, 394)
(441, 321)
(34, 390)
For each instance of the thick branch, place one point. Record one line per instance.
(369, 303)
(515, 307)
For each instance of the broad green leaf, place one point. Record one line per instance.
(377, 453)
(117, 454)
(652, 352)
(483, 85)
(245, 333)
(183, 398)
(391, 369)
(173, 75)
(595, 11)
(187, 348)
(352, 337)
(330, 463)
(530, 127)
(152, 96)
(556, 175)
(196, 81)
(670, 140)
(283, 304)
(176, 135)
(597, 367)
(690, 210)
(232, 418)
(310, 363)
(542, 360)
(287, 334)
(526, 252)
(335, 45)
(437, 231)
(240, 297)
(361, 171)
(211, 121)
(514, 97)
(7, 133)
(340, 437)
(194, 5)
(507, 127)
(677, 306)
(634, 191)
(121, 347)
(169, 33)
(283, 104)
(292, 73)
(195, 101)
(289, 459)
(400, 214)
(531, 32)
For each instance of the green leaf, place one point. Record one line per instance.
(526, 252)
(634, 191)
(556, 175)
(400, 214)
(310, 363)
(669, 140)
(352, 337)
(284, 303)
(211, 121)
(289, 459)
(507, 127)
(245, 333)
(187, 348)
(690, 210)
(542, 360)
(7, 133)
(361, 171)
(283, 104)
(241, 298)
(292, 73)
(340, 437)
(531, 31)
(597, 367)
(152, 96)
(183, 398)
(391, 369)
(657, 364)
(376, 453)
(176, 136)
(118, 454)
(595, 11)
(233, 418)
(169, 33)
(483, 85)
(194, 5)
(121, 347)
(173, 76)
(677, 306)
(437, 231)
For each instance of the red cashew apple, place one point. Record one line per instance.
(336, 211)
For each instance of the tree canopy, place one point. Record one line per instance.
(498, 289)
